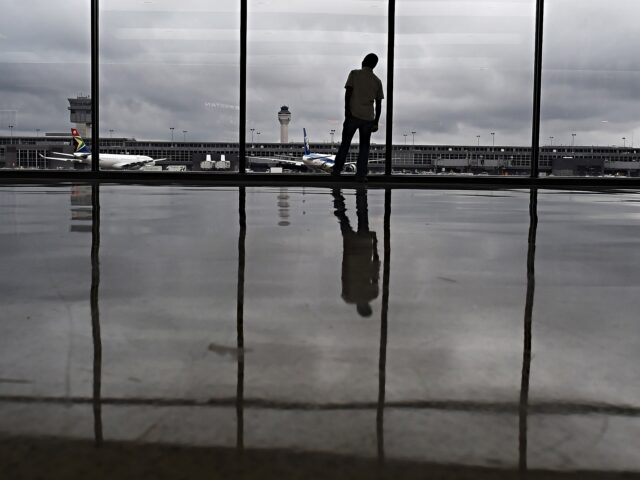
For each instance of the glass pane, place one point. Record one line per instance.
(590, 98)
(299, 57)
(44, 65)
(169, 85)
(463, 87)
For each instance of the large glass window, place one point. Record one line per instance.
(299, 57)
(590, 98)
(463, 87)
(44, 65)
(169, 85)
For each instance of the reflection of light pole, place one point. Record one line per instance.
(252, 130)
(258, 133)
(573, 138)
(111, 133)
(478, 137)
(551, 140)
(172, 129)
(624, 142)
(331, 132)
(184, 135)
(405, 138)
(493, 139)
(11, 130)
(413, 139)
(37, 132)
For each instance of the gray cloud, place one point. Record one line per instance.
(462, 68)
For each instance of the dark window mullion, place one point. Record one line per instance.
(95, 86)
(242, 132)
(537, 89)
(390, 67)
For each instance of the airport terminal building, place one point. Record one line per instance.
(27, 152)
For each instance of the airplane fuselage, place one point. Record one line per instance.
(108, 161)
(114, 161)
(319, 161)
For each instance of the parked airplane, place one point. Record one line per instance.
(108, 161)
(315, 161)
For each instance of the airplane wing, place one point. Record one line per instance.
(132, 164)
(62, 159)
(297, 163)
(121, 165)
(68, 155)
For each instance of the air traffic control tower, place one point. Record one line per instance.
(80, 109)
(284, 117)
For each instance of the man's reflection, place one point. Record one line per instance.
(360, 261)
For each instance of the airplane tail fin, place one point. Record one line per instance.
(307, 151)
(81, 147)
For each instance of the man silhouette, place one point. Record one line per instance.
(360, 260)
(362, 89)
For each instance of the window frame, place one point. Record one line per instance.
(532, 179)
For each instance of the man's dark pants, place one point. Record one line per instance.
(349, 127)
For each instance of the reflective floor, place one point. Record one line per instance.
(172, 332)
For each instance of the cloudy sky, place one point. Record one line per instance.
(463, 68)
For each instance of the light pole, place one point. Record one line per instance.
(184, 135)
(413, 148)
(11, 130)
(405, 138)
(111, 133)
(478, 137)
(624, 142)
(331, 132)
(551, 140)
(573, 138)
(252, 130)
(258, 133)
(37, 132)
(493, 139)
(172, 129)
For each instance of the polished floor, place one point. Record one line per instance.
(245, 332)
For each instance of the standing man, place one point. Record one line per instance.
(363, 87)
